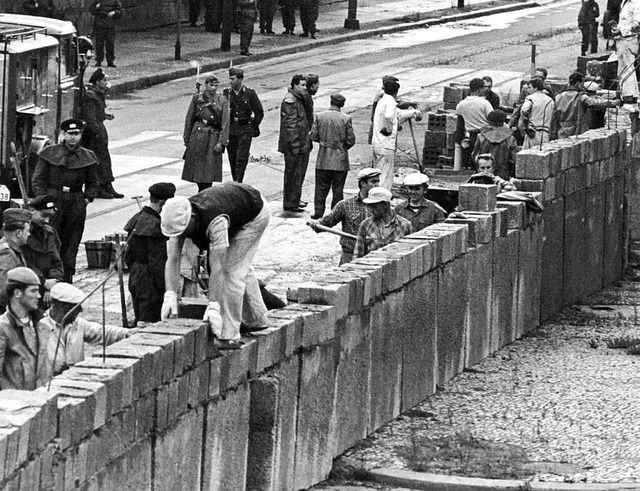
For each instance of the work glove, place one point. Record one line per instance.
(213, 318)
(169, 305)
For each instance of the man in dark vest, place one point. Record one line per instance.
(146, 255)
(68, 172)
(227, 220)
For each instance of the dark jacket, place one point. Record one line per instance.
(42, 252)
(100, 10)
(95, 136)
(10, 257)
(589, 13)
(245, 111)
(294, 125)
(499, 142)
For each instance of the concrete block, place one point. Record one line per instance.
(515, 213)
(95, 393)
(238, 365)
(392, 279)
(549, 190)
(533, 164)
(479, 302)
(575, 237)
(452, 302)
(622, 140)
(30, 475)
(485, 226)
(131, 374)
(10, 438)
(150, 359)
(112, 378)
(372, 274)
(560, 185)
(477, 197)
(313, 455)
(458, 234)
(272, 436)
(426, 248)
(351, 402)
(441, 244)
(620, 164)
(530, 184)
(408, 253)
(552, 268)
(318, 322)
(226, 441)
(105, 445)
(184, 348)
(386, 360)
(505, 289)
(178, 454)
(529, 272)
(594, 216)
(470, 222)
(192, 307)
(575, 179)
(320, 292)
(613, 229)
(198, 391)
(76, 466)
(418, 334)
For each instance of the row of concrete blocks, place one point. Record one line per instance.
(559, 156)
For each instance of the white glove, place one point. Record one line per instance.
(213, 318)
(169, 305)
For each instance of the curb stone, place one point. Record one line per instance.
(137, 83)
(437, 482)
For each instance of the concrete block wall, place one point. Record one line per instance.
(366, 341)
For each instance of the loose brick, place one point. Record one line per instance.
(477, 197)
(533, 164)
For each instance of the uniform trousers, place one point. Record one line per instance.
(147, 297)
(308, 16)
(238, 152)
(246, 31)
(328, 180)
(266, 8)
(295, 169)
(590, 38)
(105, 37)
(69, 223)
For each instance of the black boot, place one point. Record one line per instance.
(113, 192)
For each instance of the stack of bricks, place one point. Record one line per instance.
(439, 144)
(454, 94)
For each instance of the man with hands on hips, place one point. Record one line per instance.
(228, 220)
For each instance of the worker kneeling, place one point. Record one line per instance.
(228, 220)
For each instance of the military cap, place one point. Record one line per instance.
(175, 216)
(368, 172)
(16, 215)
(497, 116)
(64, 292)
(337, 100)
(44, 202)
(97, 76)
(24, 275)
(236, 72)
(162, 190)
(378, 195)
(416, 179)
(72, 124)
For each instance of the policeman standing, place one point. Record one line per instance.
(15, 229)
(245, 114)
(68, 172)
(42, 250)
(247, 14)
(147, 254)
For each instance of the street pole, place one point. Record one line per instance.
(533, 59)
(178, 46)
(227, 21)
(352, 22)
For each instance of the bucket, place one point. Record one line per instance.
(99, 253)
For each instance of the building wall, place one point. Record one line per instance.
(365, 342)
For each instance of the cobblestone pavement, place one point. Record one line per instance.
(560, 393)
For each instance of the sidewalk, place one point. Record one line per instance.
(146, 58)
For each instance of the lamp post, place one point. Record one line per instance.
(352, 22)
(178, 46)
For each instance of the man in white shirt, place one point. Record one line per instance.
(626, 36)
(473, 115)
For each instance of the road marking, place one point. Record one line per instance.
(125, 165)
(144, 136)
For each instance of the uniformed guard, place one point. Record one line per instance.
(15, 228)
(68, 172)
(246, 17)
(147, 254)
(245, 114)
(42, 250)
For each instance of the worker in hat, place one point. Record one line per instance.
(42, 250)
(497, 139)
(71, 337)
(69, 173)
(16, 228)
(206, 134)
(383, 227)
(485, 175)
(573, 105)
(351, 212)
(420, 211)
(333, 130)
(227, 220)
(146, 255)
(245, 116)
(95, 136)
(24, 364)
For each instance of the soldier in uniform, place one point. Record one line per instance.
(16, 226)
(62, 171)
(106, 14)
(245, 114)
(147, 254)
(42, 250)
(247, 14)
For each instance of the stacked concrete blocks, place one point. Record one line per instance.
(439, 139)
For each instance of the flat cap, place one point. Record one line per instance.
(378, 195)
(416, 179)
(236, 72)
(162, 190)
(97, 76)
(16, 215)
(23, 275)
(497, 116)
(64, 292)
(44, 202)
(72, 124)
(175, 216)
(390, 78)
(367, 173)
(337, 100)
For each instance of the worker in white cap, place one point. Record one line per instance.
(71, 337)
(383, 227)
(417, 209)
(227, 220)
(351, 212)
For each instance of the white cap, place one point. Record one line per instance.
(378, 195)
(64, 292)
(175, 216)
(416, 179)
